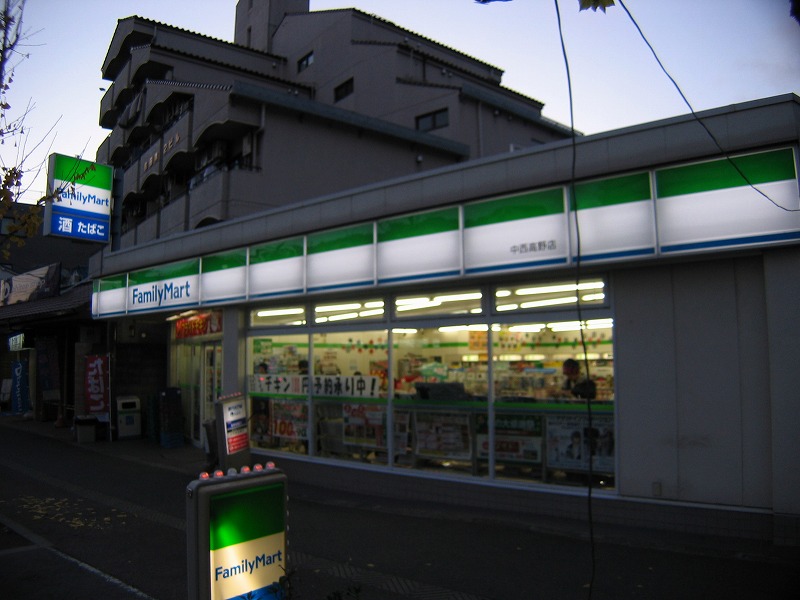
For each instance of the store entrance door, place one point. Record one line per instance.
(211, 383)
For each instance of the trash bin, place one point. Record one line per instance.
(129, 417)
(85, 429)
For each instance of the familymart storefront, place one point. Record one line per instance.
(421, 355)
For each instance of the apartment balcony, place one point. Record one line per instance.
(217, 118)
(131, 183)
(208, 197)
(176, 143)
(145, 64)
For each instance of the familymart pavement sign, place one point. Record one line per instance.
(236, 534)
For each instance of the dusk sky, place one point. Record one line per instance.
(719, 52)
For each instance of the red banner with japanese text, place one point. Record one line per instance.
(97, 385)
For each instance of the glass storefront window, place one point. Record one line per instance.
(452, 394)
(278, 316)
(464, 302)
(550, 295)
(278, 389)
(440, 398)
(349, 388)
(541, 424)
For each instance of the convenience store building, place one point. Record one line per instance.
(406, 338)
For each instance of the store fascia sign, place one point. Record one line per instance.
(81, 207)
(685, 209)
(16, 342)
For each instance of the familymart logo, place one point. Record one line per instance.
(247, 567)
(160, 294)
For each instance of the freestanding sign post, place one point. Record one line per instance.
(233, 443)
(236, 534)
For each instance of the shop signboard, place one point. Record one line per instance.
(198, 325)
(232, 414)
(709, 205)
(236, 535)
(570, 442)
(20, 396)
(81, 209)
(419, 246)
(109, 295)
(692, 208)
(347, 386)
(166, 287)
(96, 383)
(44, 282)
(277, 268)
(224, 276)
(615, 217)
(342, 258)
(524, 230)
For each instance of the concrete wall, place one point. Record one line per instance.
(693, 396)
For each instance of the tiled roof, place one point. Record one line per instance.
(68, 302)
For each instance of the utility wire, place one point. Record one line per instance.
(573, 204)
(696, 117)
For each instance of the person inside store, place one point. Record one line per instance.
(573, 384)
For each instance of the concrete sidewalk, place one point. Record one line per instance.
(184, 458)
(191, 461)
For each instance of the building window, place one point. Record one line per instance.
(343, 90)
(433, 120)
(436, 384)
(305, 62)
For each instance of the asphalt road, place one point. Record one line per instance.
(76, 523)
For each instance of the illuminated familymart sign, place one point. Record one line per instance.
(236, 534)
(82, 205)
(682, 209)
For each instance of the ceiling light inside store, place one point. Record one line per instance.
(478, 327)
(343, 316)
(337, 307)
(458, 297)
(405, 331)
(374, 304)
(593, 297)
(576, 325)
(502, 307)
(371, 313)
(502, 293)
(550, 302)
(530, 327)
(421, 304)
(556, 289)
(281, 312)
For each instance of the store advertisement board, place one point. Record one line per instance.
(81, 209)
(96, 384)
(233, 411)
(236, 536)
(517, 438)
(570, 442)
(288, 419)
(442, 435)
(364, 425)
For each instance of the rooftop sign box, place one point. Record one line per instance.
(81, 209)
